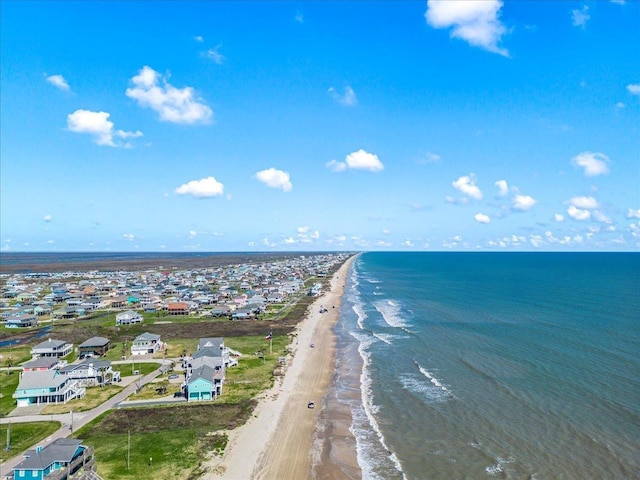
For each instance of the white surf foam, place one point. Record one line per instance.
(390, 312)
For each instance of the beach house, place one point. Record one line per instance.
(94, 347)
(128, 317)
(52, 348)
(60, 459)
(146, 343)
(45, 387)
(91, 372)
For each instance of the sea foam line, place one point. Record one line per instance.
(370, 409)
(390, 312)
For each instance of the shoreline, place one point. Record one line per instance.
(300, 449)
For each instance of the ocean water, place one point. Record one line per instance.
(483, 365)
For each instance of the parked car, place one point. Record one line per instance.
(311, 405)
(173, 375)
(178, 395)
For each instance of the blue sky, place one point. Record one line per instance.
(253, 126)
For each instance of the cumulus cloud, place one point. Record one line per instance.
(348, 98)
(593, 163)
(476, 22)
(467, 185)
(634, 88)
(584, 202)
(360, 160)
(274, 178)
(632, 213)
(580, 17)
(601, 217)
(578, 213)
(558, 217)
(59, 82)
(198, 38)
(98, 125)
(47, 218)
(215, 55)
(482, 218)
(430, 158)
(523, 202)
(152, 90)
(129, 236)
(205, 188)
(502, 187)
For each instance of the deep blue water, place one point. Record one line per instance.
(493, 365)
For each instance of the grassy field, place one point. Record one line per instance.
(176, 439)
(93, 397)
(8, 384)
(14, 355)
(24, 436)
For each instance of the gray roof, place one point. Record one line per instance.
(204, 372)
(146, 336)
(215, 342)
(95, 342)
(97, 364)
(61, 450)
(51, 343)
(208, 352)
(40, 362)
(45, 379)
(212, 362)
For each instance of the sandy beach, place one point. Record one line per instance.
(278, 441)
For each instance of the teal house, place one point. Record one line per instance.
(63, 456)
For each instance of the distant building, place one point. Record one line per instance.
(128, 317)
(38, 388)
(95, 346)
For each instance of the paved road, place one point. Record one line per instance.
(80, 419)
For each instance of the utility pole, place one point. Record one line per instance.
(128, 447)
(8, 436)
(72, 420)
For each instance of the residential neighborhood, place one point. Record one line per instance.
(130, 310)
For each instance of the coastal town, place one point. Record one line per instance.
(78, 348)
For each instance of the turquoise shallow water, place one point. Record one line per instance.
(482, 365)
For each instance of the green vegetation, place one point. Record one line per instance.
(176, 439)
(8, 383)
(93, 397)
(14, 355)
(144, 368)
(24, 436)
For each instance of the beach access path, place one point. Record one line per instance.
(277, 441)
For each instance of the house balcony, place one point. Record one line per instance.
(78, 469)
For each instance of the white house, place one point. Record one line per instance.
(52, 348)
(147, 343)
(128, 317)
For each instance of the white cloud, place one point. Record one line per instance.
(302, 229)
(299, 17)
(204, 188)
(386, 231)
(275, 179)
(482, 218)
(348, 99)
(476, 22)
(198, 38)
(215, 55)
(99, 126)
(467, 185)
(172, 104)
(601, 217)
(634, 88)
(192, 233)
(503, 187)
(407, 243)
(47, 218)
(584, 202)
(383, 244)
(360, 160)
(558, 217)
(523, 202)
(594, 163)
(129, 236)
(289, 240)
(429, 158)
(577, 213)
(631, 213)
(336, 166)
(579, 18)
(620, 105)
(59, 82)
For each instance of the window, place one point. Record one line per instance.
(21, 473)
